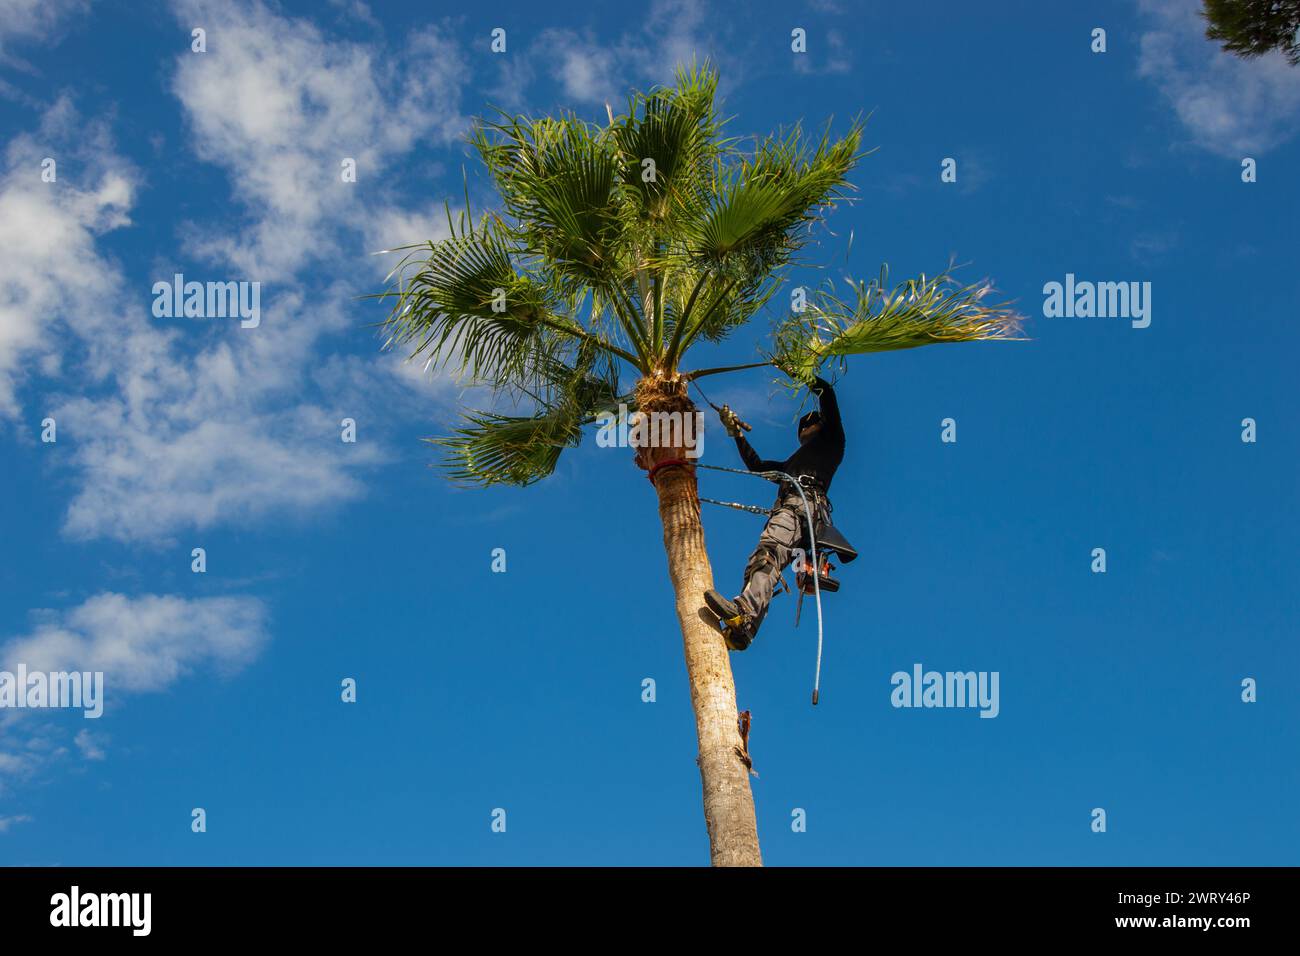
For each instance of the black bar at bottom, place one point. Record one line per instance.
(333, 904)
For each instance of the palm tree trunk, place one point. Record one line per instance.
(728, 801)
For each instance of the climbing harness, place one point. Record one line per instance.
(812, 543)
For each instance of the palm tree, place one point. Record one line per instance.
(616, 248)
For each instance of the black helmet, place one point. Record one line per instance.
(812, 418)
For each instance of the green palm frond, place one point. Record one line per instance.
(502, 449)
(492, 448)
(557, 178)
(763, 208)
(668, 144)
(759, 219)
(467, 307)
(734, 303)
(920, 311)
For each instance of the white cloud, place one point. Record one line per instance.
(7, 822)
(21, 754)
(173, 425)
(393, 226)
(203, 421)
(49, 263)
(33, 20)
(279, 105)
(143, 643)
(588, 72)
(89, 746)
(158, 467)
(356, 10)
(185, 424)
(828, 52)
(1231, 106)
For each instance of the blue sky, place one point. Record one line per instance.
(522, 690)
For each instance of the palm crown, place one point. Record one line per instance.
(627, 243)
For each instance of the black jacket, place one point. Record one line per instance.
(819, 458)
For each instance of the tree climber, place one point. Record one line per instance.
(821, 449)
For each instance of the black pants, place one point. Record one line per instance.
(786, 529)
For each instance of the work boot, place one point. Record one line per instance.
(736, 626)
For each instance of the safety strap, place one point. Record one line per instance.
(666, 463)
(752, 509)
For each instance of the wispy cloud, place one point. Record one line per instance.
(176, 425)
(672, 33)
(828, 52)
(7, 822)
(1230, 106)
(89, 745)
(33, 21)
(142, 644)
(975, 168)
(280, 106)
(49, 261)
(390, 227)
(193, 428)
